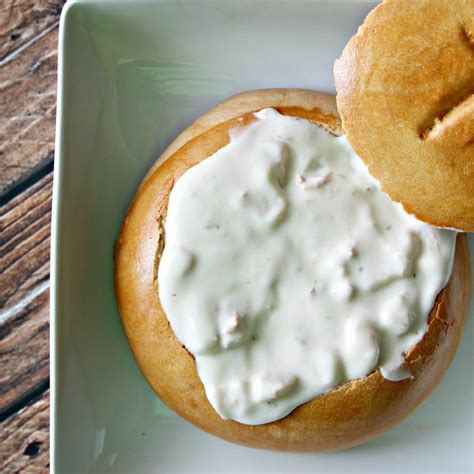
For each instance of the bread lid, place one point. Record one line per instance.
(405, 92)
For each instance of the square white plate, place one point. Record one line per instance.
(131, 76)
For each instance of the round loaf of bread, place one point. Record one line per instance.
(348, 415)
(407, 76)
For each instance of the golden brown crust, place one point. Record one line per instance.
(247, 102)
(405, 85)
(349, 415)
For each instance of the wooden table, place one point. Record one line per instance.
(28, 62)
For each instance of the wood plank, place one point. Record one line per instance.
(23, 20)
(27, 112)
(25, 227)
(24, 354)
(24, 439)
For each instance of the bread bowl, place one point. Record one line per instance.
(345, 416)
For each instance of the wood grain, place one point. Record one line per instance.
(24, 439)
(24, 354)
(22, 20)
(25, 227)
(27, 112)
